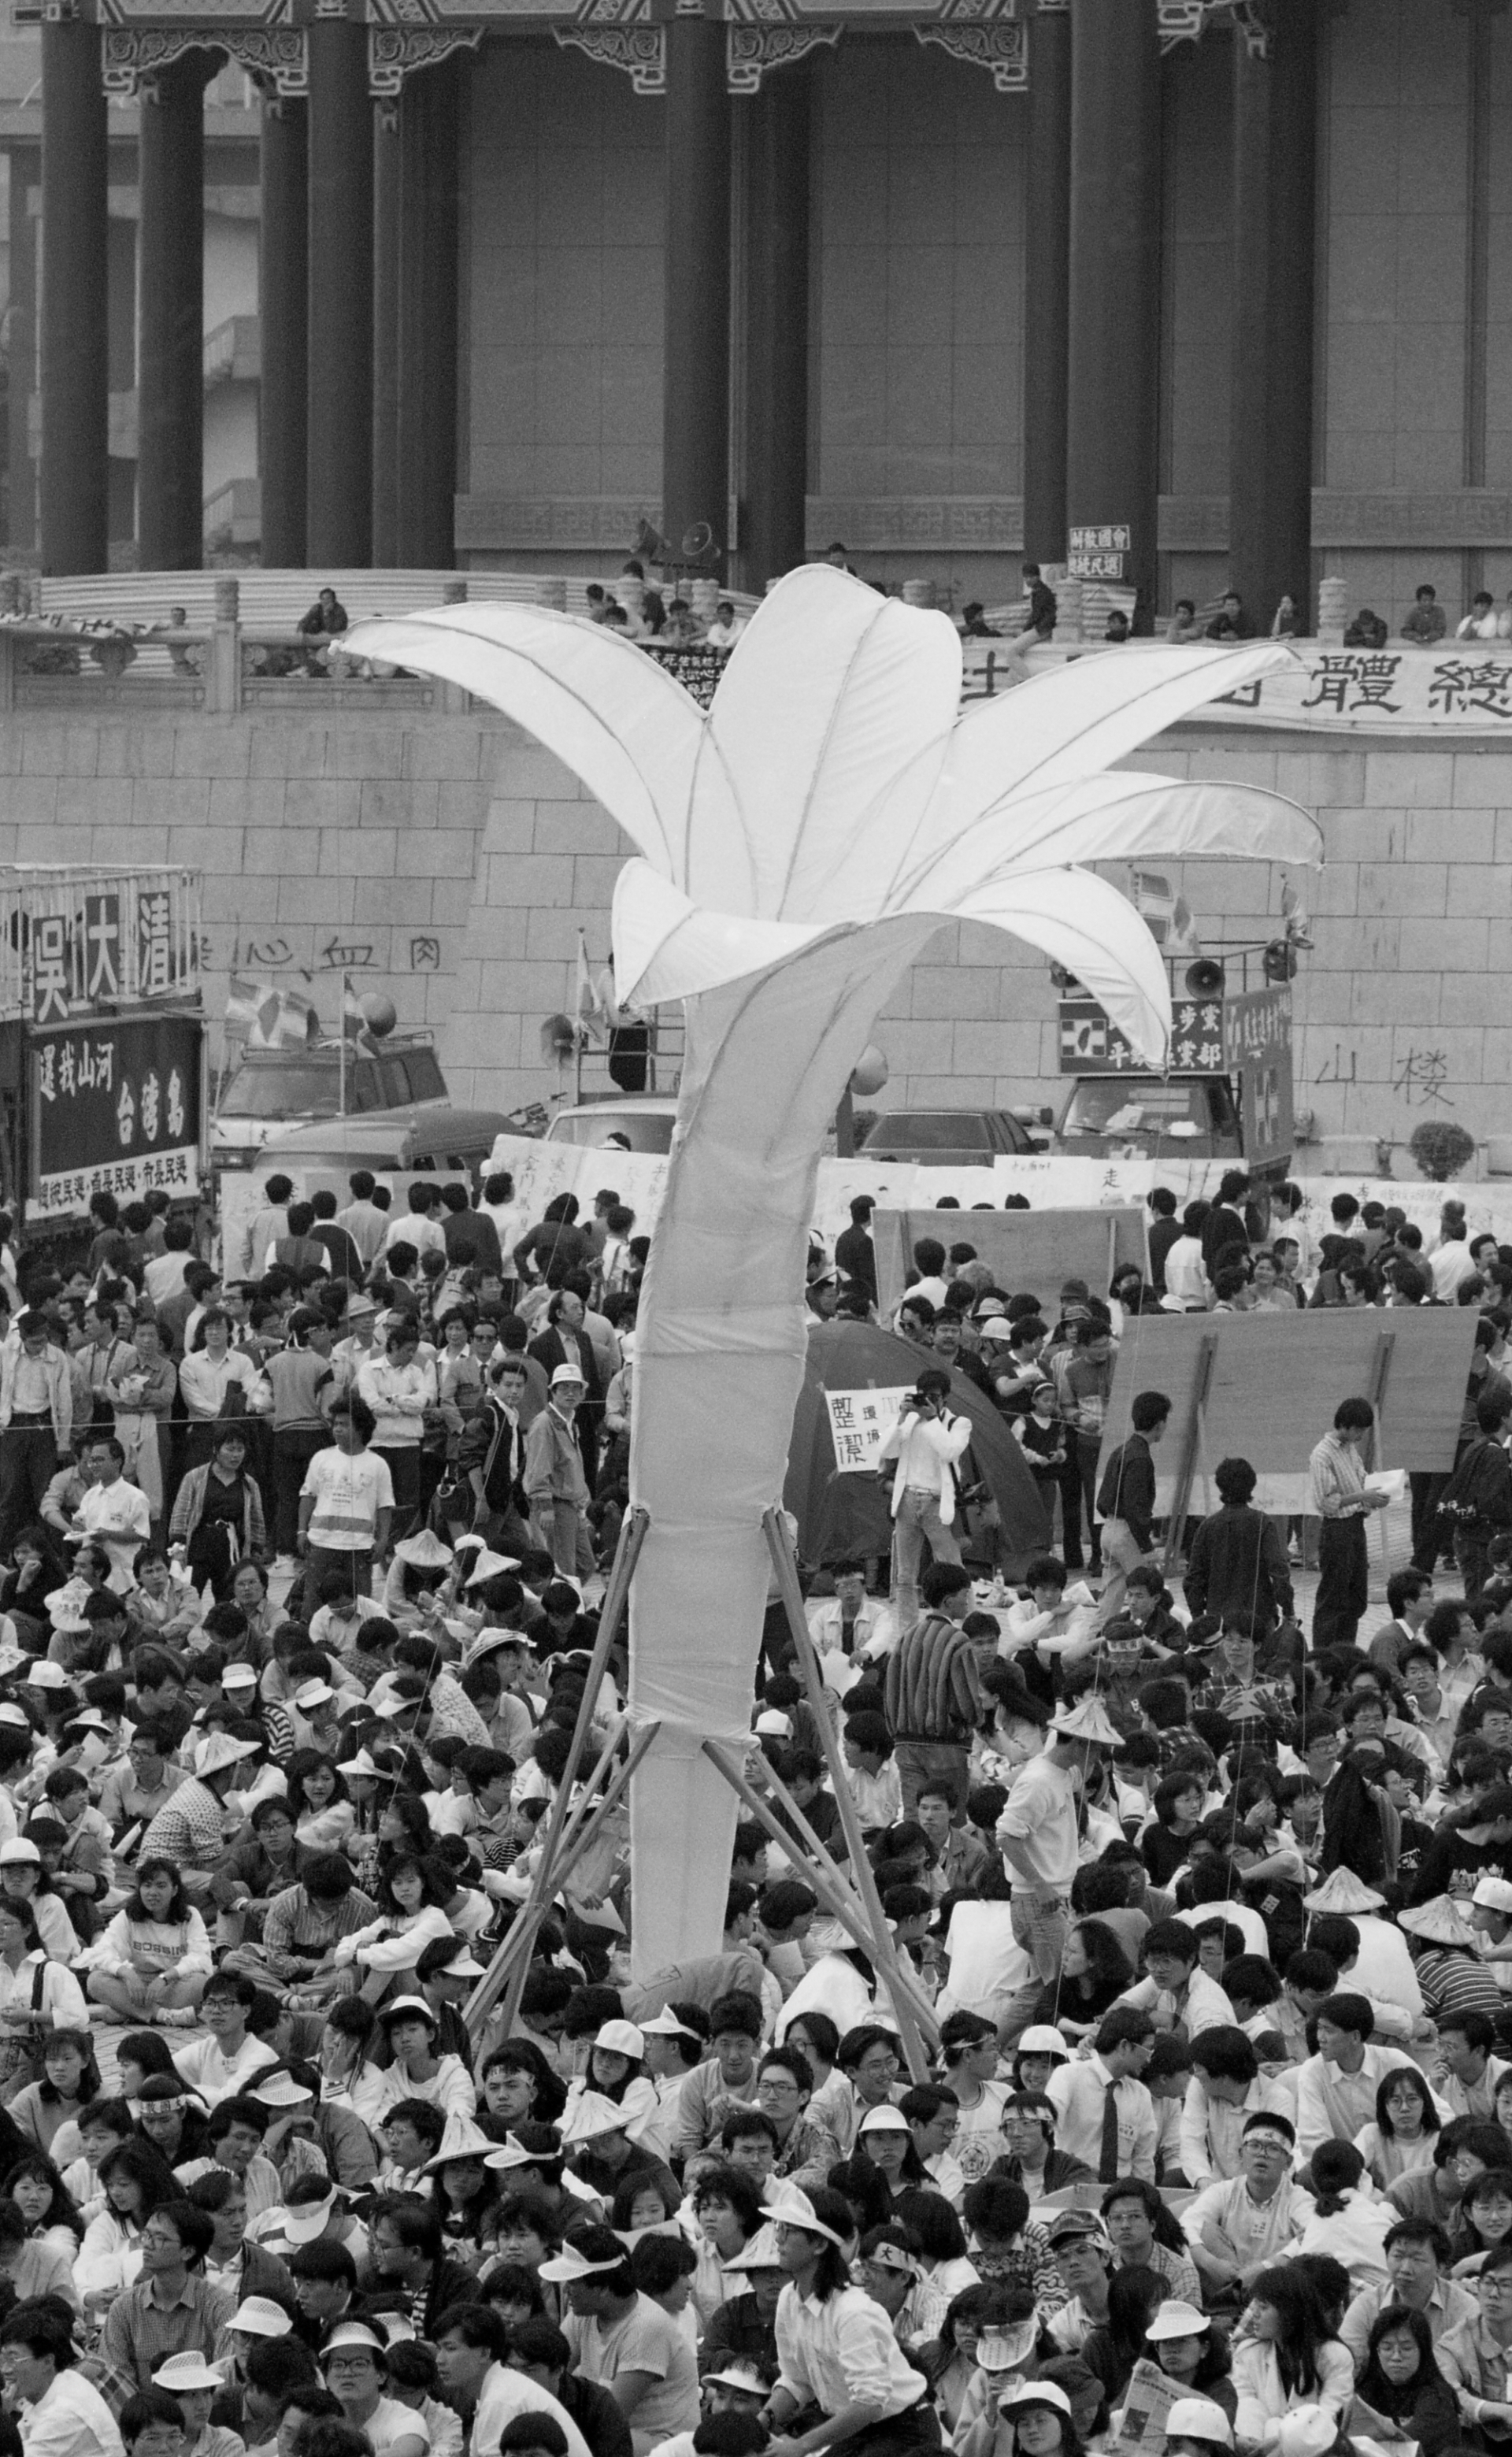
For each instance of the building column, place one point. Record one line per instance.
(74, 364)
(26, 171)
(171, 371)
(1270, 403)
(1113, 353)
(339, 374)
(1046, 277)
(696, 358)
(776, 387)
(429, 281)
(387, 188)
(283, 320)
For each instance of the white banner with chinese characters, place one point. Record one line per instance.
(859, 1423)
(66, 1192)
(1464, 686)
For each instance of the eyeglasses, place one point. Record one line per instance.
(162, 2243)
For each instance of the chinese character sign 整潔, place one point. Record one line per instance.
(859, 1423)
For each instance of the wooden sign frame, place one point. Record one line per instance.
(1024, 1250)
(1264, 1387)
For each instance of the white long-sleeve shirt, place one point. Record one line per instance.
(1333, 2106)
(70, 2418)
(1077, 2092)
(842, 2352)
(926, 1449)
(1263, 2400)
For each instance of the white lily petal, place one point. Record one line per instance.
(832, 696)
(1122, 817)
(612, 714)
(668, 947)
(1079, 921)
(1075, 722)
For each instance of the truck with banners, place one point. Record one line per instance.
(1228, 1095)
(102, 1042)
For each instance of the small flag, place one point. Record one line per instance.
(245, 1000)
(354, 1016)
(285, 1020)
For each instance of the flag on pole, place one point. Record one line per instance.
(354, 1016)
(245, 1000)
(284, 1020)
(1167, 911)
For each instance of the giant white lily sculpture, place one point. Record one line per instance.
(801, 843)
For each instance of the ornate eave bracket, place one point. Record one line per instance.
(999, 47)
(640, 52)
(395, 52)
(276, 57)
(750, 51)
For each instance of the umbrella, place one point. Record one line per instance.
(843, 1516)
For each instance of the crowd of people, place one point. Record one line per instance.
(1170, 2106)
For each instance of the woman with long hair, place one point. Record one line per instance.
(1094, 1973)
(883, 2136)
(840, 2351)
(1112, 2348)
(1285, 2356)
(616, 2070)
(518, 2086)
(1349, 2221)
(69, 2080)
(410, 1891)
(863, 2188)
(649, 2197)
(142, 2057)
(1485, 2219)
(350, 2075)
(323, 1816)
(1405, 2130)
(1193, 2350)
(1400, 2379)
(727, 2208)
(154, 1958)
(1031, 2418)
(949, 2361)
(46, 2204)
(401, 1826)
(136, 2181)
(464, 2193)
(524, 2237)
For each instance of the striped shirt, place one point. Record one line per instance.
(932, 1690)
(348, 1493)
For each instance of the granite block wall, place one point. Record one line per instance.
(449, 861)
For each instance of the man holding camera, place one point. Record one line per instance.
(927, 1442)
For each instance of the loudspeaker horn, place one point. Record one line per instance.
(1204, 978)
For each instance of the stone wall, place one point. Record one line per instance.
(447, 860)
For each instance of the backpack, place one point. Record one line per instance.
(1477, 1497)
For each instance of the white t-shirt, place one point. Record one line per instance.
(390, 2421)
(348, 1495)
(409, 1228)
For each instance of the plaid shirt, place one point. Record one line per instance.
(307, 1931)
(189, 1829)
(1029, 2263)
(139, 2336)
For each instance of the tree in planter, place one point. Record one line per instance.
(1441, 1148)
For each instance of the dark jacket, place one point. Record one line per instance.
(1128, 1490)
(491, 1442)
(1238, 1564)
(595, 2413)
(857, 1258)
(471, 1237)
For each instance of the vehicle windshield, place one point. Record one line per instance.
(930, 1130)
(303, 1089)
(1099, 1107)
(644, 1130)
